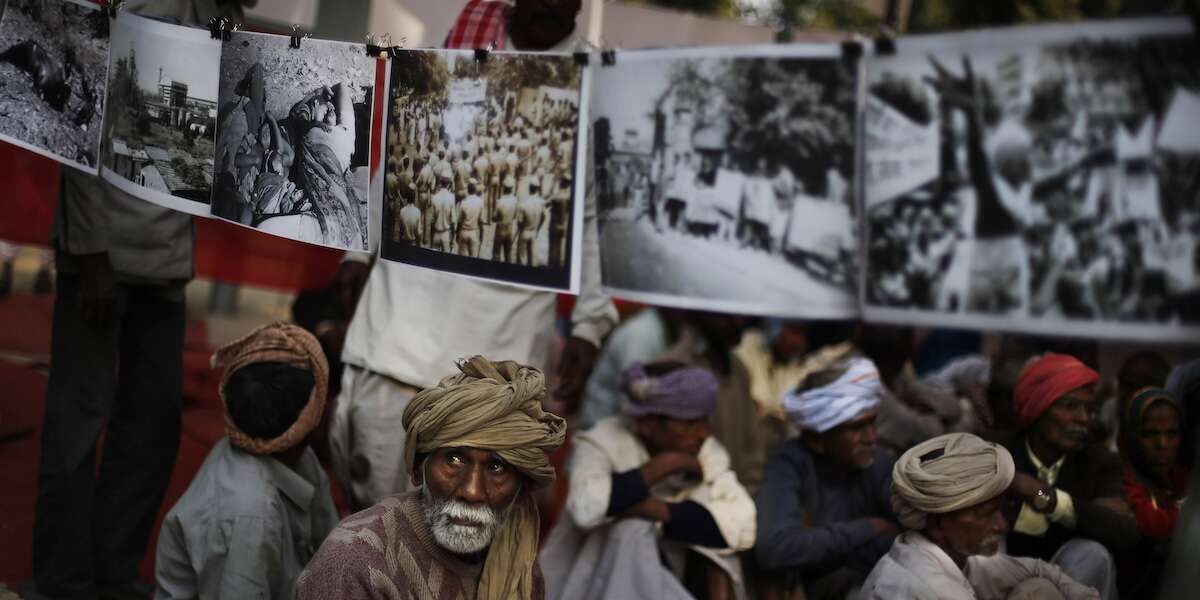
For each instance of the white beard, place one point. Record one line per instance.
(459, 539)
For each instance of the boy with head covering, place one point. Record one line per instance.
(1074, 512)
(824, 507)
(949, 492)
(478, 447)
(652, 481)
(260, 504)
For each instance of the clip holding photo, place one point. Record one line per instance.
(481, 55)
(215, 26)
(373, 49)
(296, 37)
(608, 58)
(851, 50)
(581, 58)
(112, 7)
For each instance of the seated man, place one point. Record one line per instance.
(950, 493)
(1074, 512)
(260, 504)
(652, 482)
(478, 445)
(824, 509)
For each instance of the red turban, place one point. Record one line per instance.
(1046, 380)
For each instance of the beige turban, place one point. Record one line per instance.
(494, 406)
(280, 343)
(948, 473)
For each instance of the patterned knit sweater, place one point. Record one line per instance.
(388, 551)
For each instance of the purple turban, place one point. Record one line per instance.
(686, 393)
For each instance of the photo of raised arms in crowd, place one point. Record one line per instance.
(293, 131)
(481, 164)
(724, 178)
(1042, 187)
(53, 60)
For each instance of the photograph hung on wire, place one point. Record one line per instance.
(1043, 179)
(481, 170)
(724, 178)
(53, 60)
(161, 117)
(293, 138)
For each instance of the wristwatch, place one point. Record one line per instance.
(1043, 499)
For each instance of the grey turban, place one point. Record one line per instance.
(948, 473)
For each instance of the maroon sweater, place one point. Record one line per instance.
(387, 551)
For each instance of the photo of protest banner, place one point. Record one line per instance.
(161, 113)
(723, 178)
(293, 138)
(481, 166)
(53, 60)
(1041, 179)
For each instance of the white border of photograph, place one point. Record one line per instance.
(47, 153)
(283, 39)
(951, 46)
(794, 309)
(172, 32)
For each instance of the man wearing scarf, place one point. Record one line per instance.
(652, 481)
(1074, 512)
(824, 508)
(949, 493)
(1181, 577)
(260, 503)
(478, 446)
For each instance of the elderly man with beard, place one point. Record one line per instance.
(652, 482)
(824, 509)
(478, 445)
(950, 494)
(1074, 512)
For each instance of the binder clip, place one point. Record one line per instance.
(481, 54)
(230, 27)
(373, 49)
(216, 26)
(296, 37)
(851, 50)
(885, 43)
(112, 7)
(581, 59)
(608, 58)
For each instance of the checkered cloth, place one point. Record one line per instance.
(482, 23)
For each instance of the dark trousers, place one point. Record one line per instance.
(126, 379)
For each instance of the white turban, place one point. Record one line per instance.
(857, 391)
(948, 473)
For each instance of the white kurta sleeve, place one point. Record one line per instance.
(996, 576)
(591, 484)
(725, 498)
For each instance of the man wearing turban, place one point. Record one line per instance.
(1074, 512)
(949, 492)
(260, 503)
(477, 446)
(824, 508)
(651, 482)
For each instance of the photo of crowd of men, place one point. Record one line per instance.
(293, 133)
(724, 178)
(480, 166)
(53, 58)
(1052, 184)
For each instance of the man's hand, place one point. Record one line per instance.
(651, 508)
(664, 464)
(97, 289)
(348, 286)
(578, 358)
(883, 526)
(1026, 487)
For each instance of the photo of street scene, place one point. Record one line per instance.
(480, 166)
(293, 138)
(53, 59)
(723, 178)
(1051, 188)
(162, 112)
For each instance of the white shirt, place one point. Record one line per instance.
(917, 568)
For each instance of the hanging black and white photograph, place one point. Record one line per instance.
(53, 60)
(293, 138)
(1040, 179)
(723, 178)
(162, 112)
(481, 169)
